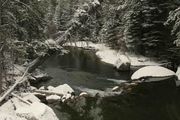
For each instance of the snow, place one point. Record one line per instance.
(123, 63)
(95, 92)
(52, 44)
(83, 94)
(6, 116)
(42, 88)
(30, 97)
(110, 56)
(18, 70)
(51, 88)
(96, 2)
(153, 72)
(62, 89)
(178, 72)
(53, 98)
(178, 75)
(35, 111)
(117, 81)
(116, 88)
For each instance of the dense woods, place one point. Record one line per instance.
(147, 27)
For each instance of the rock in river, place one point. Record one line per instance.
(62, 89)
(153, 73)
(123, 63)
(53, 98)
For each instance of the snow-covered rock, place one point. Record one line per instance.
(51, 88)
(123, 63)
(36, 111)
(178, 72)
(152, 73)
(43, 76)
(178, 75)
(53, 98)
(66, 97)
(33, 88)
(6, 116)
(39, 78)
(116, 88)
(42, 88)
(8, 107)
(18, 110)
(63, 89)
(83, 94)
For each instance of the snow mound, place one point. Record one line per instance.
(152, 72)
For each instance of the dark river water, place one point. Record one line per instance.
(81, 68)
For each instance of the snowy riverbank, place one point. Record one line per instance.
(110, 56)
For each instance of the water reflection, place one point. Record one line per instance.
(81, 68)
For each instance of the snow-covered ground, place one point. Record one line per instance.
(108, 55)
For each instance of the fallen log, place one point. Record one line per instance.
(48, 92)
(21, 99)
(32, 66)
(14, 86)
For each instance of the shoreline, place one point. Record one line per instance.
(110, 56)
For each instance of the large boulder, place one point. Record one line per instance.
(36, 111)
(153, 73)
(123, 63)
(15, 109)
(6, 116)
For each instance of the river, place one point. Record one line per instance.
(83, 69)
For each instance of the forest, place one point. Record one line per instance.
(89, 59)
